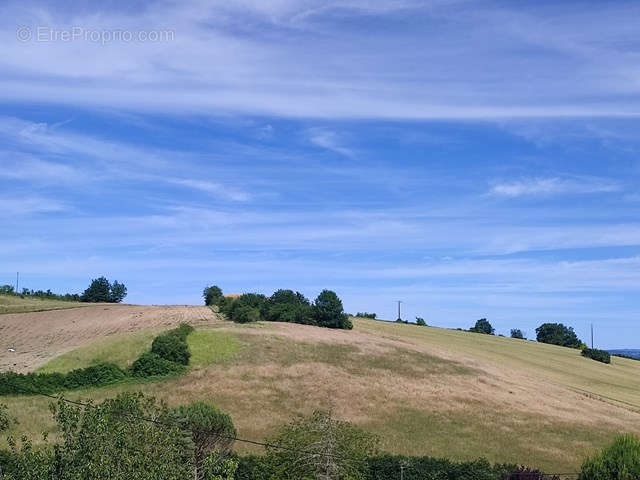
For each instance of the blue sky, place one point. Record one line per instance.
(472, 159)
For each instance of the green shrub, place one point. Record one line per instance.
(618, 461)
(172, 346)
(598, 355)
(150, 364)
(182, 331)
(4, 418)
(420, 322)
(102, 374)
(366, 315)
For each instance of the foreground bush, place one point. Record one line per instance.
(387, 467)
(598, 355)
(419, 468)
(618, 461)
(110, 440)
(211, 431)
(320, 446)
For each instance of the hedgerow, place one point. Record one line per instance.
(171, 347)
(12, 383)
(150, 364)
(168, 356)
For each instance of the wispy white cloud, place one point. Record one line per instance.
(13, 206)
(328, 139)
(94, 159)
(212, 188)
(553, 186)
(451, 60)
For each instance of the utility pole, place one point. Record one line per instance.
(17, 281)
(399, 302)
(592, 335)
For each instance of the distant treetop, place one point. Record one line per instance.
(101, 290)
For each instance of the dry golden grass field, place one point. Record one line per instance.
(423, 390)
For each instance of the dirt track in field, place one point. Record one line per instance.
(39, 336)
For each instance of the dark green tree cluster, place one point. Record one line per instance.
(483, 326)
(283, 306)
(558, 334)
(366, 315)
(101, 290)
(421, 322)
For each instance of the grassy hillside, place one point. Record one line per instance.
(425, 391)
(13, 304)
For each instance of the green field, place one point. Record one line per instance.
(14, 304)
(423, 390)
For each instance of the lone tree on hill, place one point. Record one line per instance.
(517, 333)
(557, 334)
(212, 295)
(483, 326)
(329, 312)
(100, 290)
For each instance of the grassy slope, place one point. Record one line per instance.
(12, 304)
(564, 366)
(423, 390)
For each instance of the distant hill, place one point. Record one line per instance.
(635, 353)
